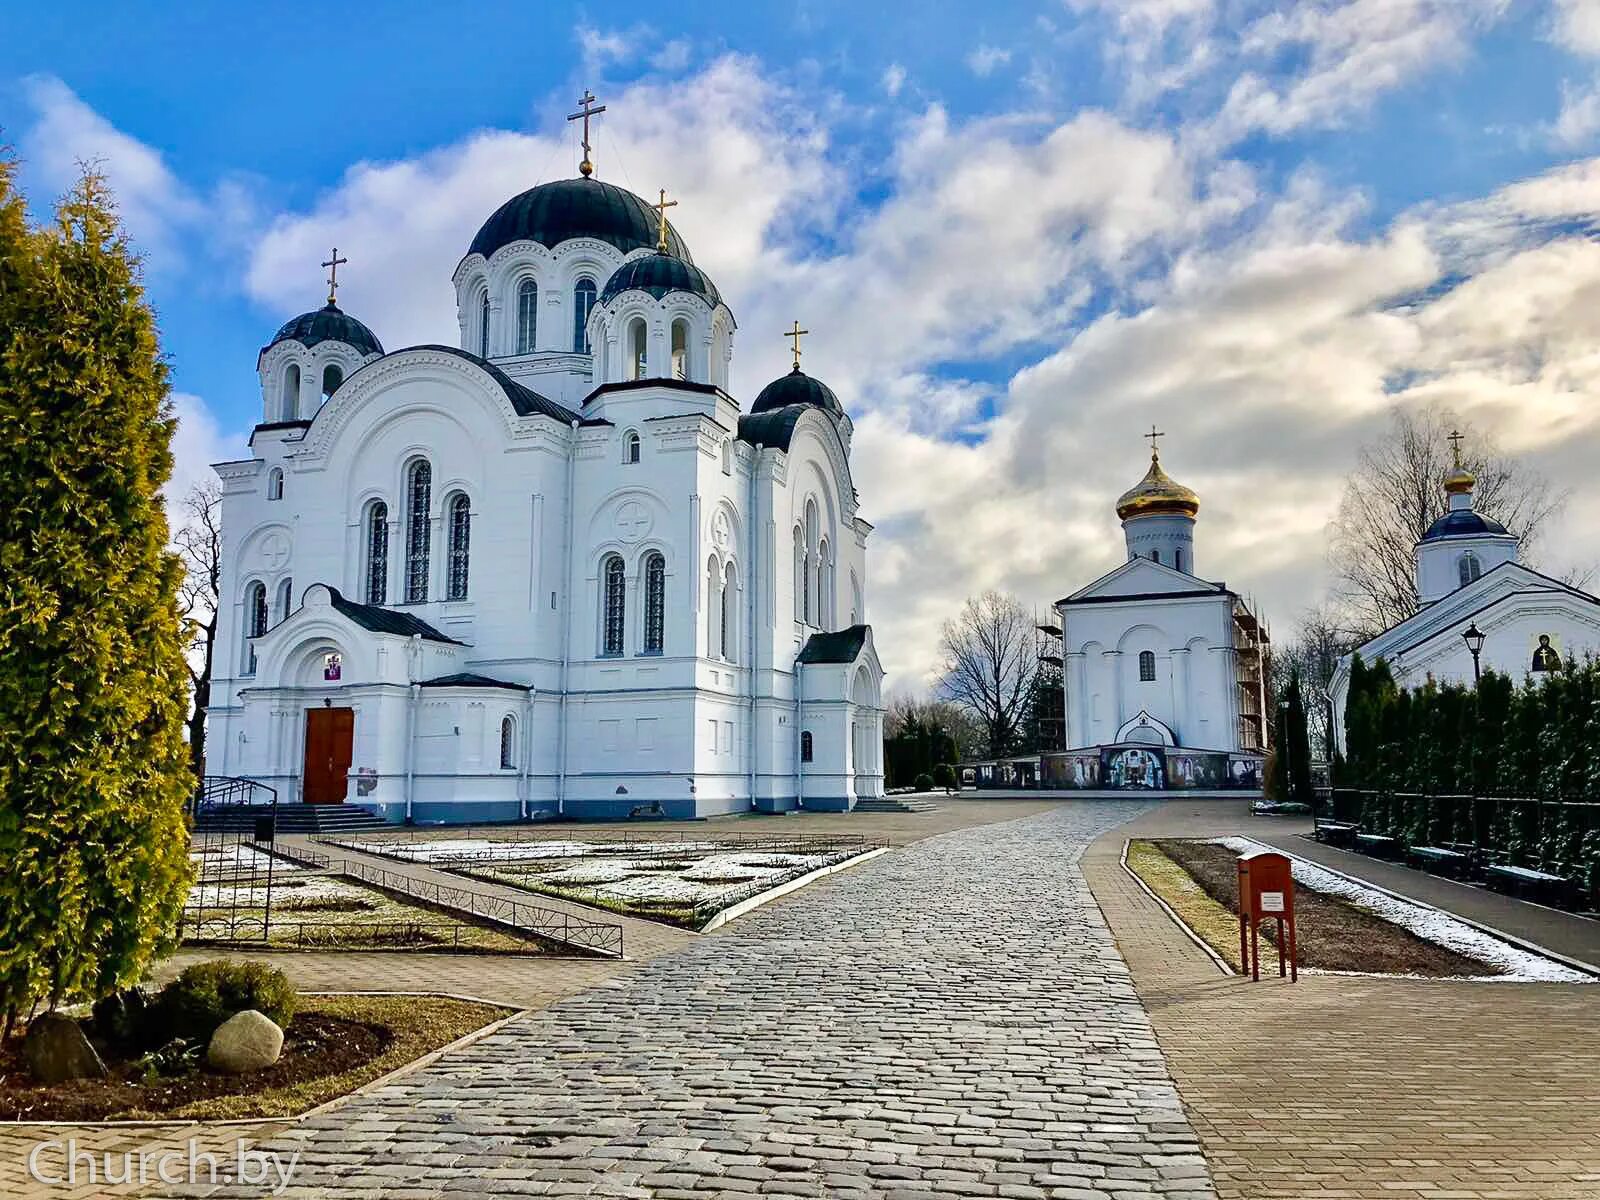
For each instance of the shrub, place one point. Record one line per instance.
(944, 775)
(207, 994)
(923, 783)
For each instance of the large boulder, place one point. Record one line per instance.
(246, 1041)
(56, 1050)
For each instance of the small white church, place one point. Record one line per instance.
(1163, 669)
(1480, 609)
(555, 568)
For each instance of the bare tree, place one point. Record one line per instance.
(199, 543)
(1313, 653)
(990, 662)
(1397, 491)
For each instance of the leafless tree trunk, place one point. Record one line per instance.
(199, 542)
(1314, 652)
(990, 661)
(1397, 491)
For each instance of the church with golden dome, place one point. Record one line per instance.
(1163, 668)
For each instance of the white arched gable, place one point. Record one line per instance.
(626, 522)
(815, 440)
(1144, 636)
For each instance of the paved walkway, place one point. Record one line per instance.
(949, 1020)
(1362, 1088)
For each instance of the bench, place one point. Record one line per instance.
(1528, 884)
(1448, 862)
(1377, 845)
(1337, 833)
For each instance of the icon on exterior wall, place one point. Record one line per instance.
(332, 665)
(1546, 655)
(1130, 768)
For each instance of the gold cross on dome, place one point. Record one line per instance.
(795, 335)
(1153, 435)
(661, 207)
(333, 264)
(1455, 439)
(585, 111)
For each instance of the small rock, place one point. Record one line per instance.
(246, 1041)
(56, 1050)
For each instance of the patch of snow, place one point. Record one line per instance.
(1515, 964)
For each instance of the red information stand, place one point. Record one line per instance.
(1266, 889)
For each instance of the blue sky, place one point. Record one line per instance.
(1035, 228)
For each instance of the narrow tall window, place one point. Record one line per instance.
(583, 295)
(285, 599)
(255, 622)
(824, 587)
(275, 484)
(713, 608)
(527, 316)
(630, 447)
(655, 603)
(332, 377)
(291, 393)
(615, 585)
(378, 553)
(460, 539)
(730, 614)
(638, 348)
(508, 743)
(1155, 556)
(1177, 558)
(1147, 666)
(680, 349)
(419, 497)
(805, 746)
(1468, 568)
(799, 575)
(811, 589)
(483, 326)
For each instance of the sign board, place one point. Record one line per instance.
(1272, 902)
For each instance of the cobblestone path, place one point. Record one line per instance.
(951, 1019)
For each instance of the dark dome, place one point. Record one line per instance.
(557, 212)
(1461, 523)
(660, 274)
(797, 388)
(329, 323)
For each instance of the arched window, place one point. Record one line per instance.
(855, 599)
(713, 608)
(527, 316)
(614, 590)
(483, 325)
(638, 348)
(805, 745)
(680, 349)
(583, 294)
(1468, 568)
(730, 615)
(727, 456)
(291, 393)
(419, 497)
(378, 553)
(1147, 666)
(630, 447)
(1177, 558)
(824, 586)
(460, 543)
(655, 603)
(1155, 556)
(255, 622)
(811, 568)
(275, 484)
(799, 574)
(332, 377)
(508, 743)
(285, 598)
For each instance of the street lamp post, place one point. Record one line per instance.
(1474, 638)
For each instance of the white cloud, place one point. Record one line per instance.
(1579, 119)
(983, 60)
(894, 78)
(1576, 25)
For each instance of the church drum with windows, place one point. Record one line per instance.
(554, 569)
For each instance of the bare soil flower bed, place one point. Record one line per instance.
(333, 1045)
(1331, 934)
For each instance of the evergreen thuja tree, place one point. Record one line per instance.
(93, 767)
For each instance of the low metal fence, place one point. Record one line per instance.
(225, 929)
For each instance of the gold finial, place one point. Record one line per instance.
(661, 207)
(1455, 440)
(795, 335)
(1460, 481)
(586, 168)
(333, 264)
(1152, 436)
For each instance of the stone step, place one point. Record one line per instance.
(893, 804)
(291, 818)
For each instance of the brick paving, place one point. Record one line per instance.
(948, 1020)
(1353, 1088)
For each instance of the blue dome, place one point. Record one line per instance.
(660, 274)
(1462, 523)
(329, 323)
(797, 388)
(557, 212)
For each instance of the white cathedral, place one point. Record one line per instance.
(554, 570)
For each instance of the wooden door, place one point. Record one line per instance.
(330, 739)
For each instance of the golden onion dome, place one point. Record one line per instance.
(1157, 494)
(1459, 481)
